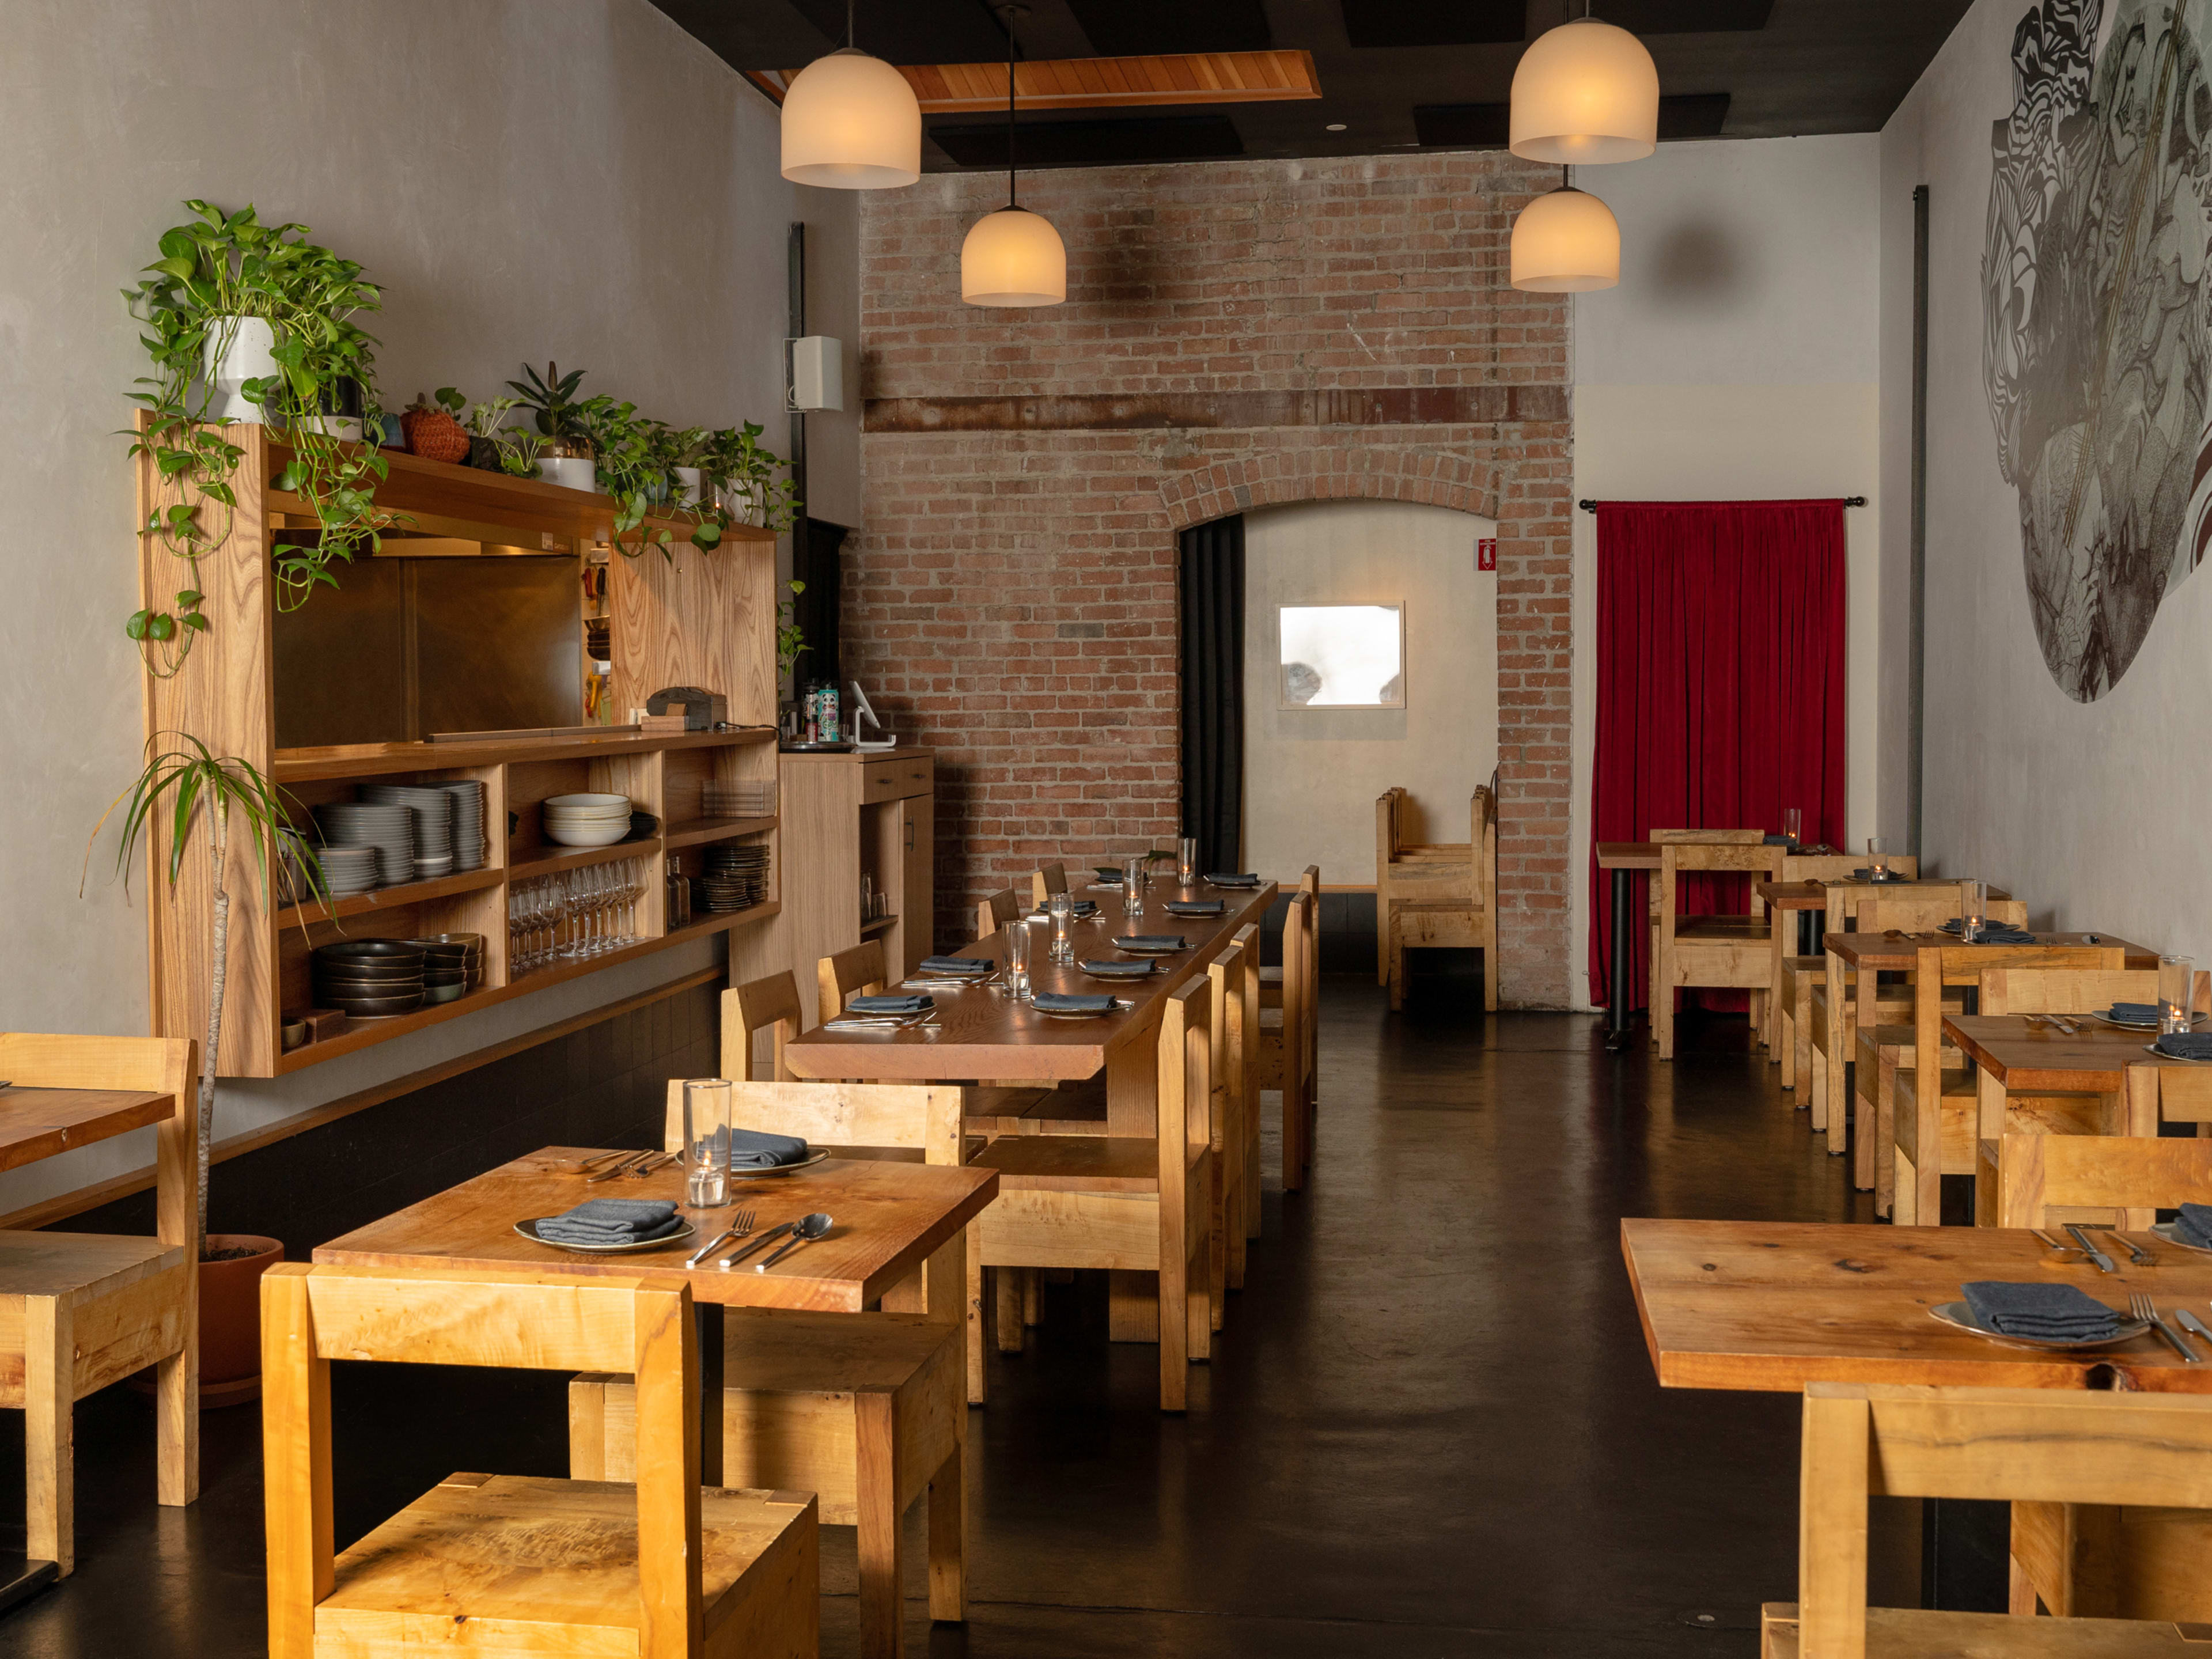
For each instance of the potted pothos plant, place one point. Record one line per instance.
(241, 318)
(195, 793)
(741, 475)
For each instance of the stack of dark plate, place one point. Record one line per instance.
(433, 822)
(387, 826)
(736, 878)
(346, 870)
(451, 964)
(369, 978)
(468, 822)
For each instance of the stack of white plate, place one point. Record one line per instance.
(388, 828)
(468, 822)
(433, 822)
(586, 820)
(346, 870)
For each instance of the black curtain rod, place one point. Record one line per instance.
(1588, 506)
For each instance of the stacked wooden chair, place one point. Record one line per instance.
(657, 1566)
(1709, 951)
(1435, 894)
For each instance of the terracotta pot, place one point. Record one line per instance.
(230, 1318)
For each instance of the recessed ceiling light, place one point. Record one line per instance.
(1335, 126)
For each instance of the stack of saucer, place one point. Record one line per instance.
(346, 870)
(721, 798)
(451, 964)
(468, 822)
(434, 823)
(369, 979)
(736, 878)
(586, 820)
(387, 826)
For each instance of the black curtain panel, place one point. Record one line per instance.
(1212, 601)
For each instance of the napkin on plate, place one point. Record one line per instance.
(2058, 1313)
(1079, 909)
(962, 965)
(1151, 942)
(1197, 907)
(1993, 932)
(1107, 877)
(919, 1003)
(2194, 1225)
(756, 1149)
(2185, 1045)
(1233, 880)
(2133, 1013)
(612, 1221)
(1112, 969)
(1059, 1002)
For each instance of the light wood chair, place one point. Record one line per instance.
(1288, 1046)
(1237, 1010)
(1446, 892)
(488, 1563)
(1795, 974)
(856, 971)
(1134, 1206)
(2045, 1446)
(867, 1411)
(995, 912)
(1271, 979)
(1709, 952)
(769, 1004)
(1045, 883)
(2046, 1180)
(1231, 1022)
(80, 1310)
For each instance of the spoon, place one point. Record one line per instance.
(806, 1229)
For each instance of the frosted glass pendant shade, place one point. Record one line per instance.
(1586, 92)
(1013, 258)
(851, 122)
(1566, 242)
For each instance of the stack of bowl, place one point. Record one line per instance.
(433, 822)
(387, 826)
(369, 978)
(586, 820)
(451, 964)
(468, 822)
(346, 870)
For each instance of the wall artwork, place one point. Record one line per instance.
(2094, 348)
(1342, 656)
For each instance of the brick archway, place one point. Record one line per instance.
(1430, 477)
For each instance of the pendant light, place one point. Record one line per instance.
(1012, 257)
(851, 122)
(1566, 241)
(1586, 92)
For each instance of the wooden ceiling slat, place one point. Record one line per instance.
(1210, 78)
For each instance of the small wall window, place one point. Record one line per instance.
(1342, 656)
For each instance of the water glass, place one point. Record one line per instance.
(1973, 910)
(868, 896)
(2177, 981)
(1061, 908)
(1877, 858)
(1187, 861)
(706, 1142)
(1018, 960)
(1133, 884)
(1793, 824)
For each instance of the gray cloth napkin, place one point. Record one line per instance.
(1993, 932)
(1197, 907)
(2133, 1013)
(1153, 942)
(2187, 1045)
(1059, 1002)
(1118, 969)
(919, 1003)
(2058, 1312)
(954, 965)
(1234, 880)
(2194, 1224)
(612, 1221)
(1779, 840)
(756, 1149)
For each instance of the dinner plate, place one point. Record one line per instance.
(2171, 1235)
(2136, 1025)
(2176, 1060)
(529, 1231)
(1122, 978)
(1957, 1314)
(1073, 1013)
(748, 1173)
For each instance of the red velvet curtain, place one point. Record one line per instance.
(1720, 690)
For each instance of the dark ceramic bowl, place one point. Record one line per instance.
(376, 1008)
(370, 950)
(370, 969)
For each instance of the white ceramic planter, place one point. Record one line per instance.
(688, 481)
(232, 355)
(744, 501)
(573, 471)
(347, 428)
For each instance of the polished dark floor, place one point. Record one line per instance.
(1430, 1430)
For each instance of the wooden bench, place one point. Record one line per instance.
(1447, 891)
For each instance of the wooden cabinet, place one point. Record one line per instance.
(847, 818)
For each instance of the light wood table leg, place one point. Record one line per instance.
(883, 1601)
(49, 1414)
(978, 1361)
(1132, 1097)
(948, 1533)
(177, 1379)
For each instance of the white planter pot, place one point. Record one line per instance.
(573, 472)
(347, 428)
(688, 481)
(744, 501)
(232, 355)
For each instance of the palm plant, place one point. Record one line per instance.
(188, 784)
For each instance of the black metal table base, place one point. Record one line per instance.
(1623, 931)
(21, 1579)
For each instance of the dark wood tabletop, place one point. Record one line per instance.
(1901, 952)
(36, 1123)
(2028, 1057)
(982, 1034)
(889, 1217)
(1770, 1306)
(1813, 895)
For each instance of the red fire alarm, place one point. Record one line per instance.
(1486, 553)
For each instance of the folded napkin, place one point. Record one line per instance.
(612, 1221)
(2133, 1013)
(756, 1149)
(1081, 908)
(1781, 840)
(919, 1003)
(1993, 932)
(2058, 1312)
(2194, 1225)
(2185, 1045)
(1867, 874)
(954, 965)
(1151, 942)
(1059, 1002)
(1197, 907)
(1119, 969)
(1234, 881)
(1107, 877)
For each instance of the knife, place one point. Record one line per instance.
(2189, 1321)
(2105, 1263)
(738, 1255)
(2176, 1342)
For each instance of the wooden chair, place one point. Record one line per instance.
(867, 1411)
(80, 1310)
(1795, 975)
(856, 971)
(1271, 979)
(761, 1004)
(1711, 953)
(2045, 1180)
(1237, 1010)
(995, 912)
(1136, 1206)
(1233, 1021)
(1289, 1050)
(508, 1563)
(1436, 895)
(1045, 883)
(2048, 1446)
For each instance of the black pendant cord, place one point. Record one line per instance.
(849, 37)
(1011, 199)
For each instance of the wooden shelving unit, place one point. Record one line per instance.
(697, 619)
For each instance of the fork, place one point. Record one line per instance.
(661, 1161)
(741, 1223)
(2142, 1307)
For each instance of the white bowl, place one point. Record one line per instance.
(588, 811)
(577, 835)
(621, 801)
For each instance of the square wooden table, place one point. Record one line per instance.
(889, 1218)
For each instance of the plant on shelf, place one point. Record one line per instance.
(487, 453)
(519, 447)
(434, 429)
(553, 403)
(188, 785)
(242, 319)
(790, 638)
(741, 475)
(628, 473)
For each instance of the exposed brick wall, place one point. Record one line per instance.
(1011, 590)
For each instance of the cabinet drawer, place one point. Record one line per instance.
(895, 780)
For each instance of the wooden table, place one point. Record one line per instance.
(2014, 1057)
(982, 1034)
(890, 1219)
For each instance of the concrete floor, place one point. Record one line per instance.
(1432, 1429)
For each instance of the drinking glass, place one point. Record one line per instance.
(1793, 823)
(2177, 980)
(706, 1142)
(1133, 884)
(1877, 858)
(868, 897)
(1018, 960)
(572, 914)
(1061, 909)
(1187, 861)
(1973, 910)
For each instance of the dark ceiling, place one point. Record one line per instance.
(1397, 74)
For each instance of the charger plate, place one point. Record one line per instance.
(1958, 1314)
